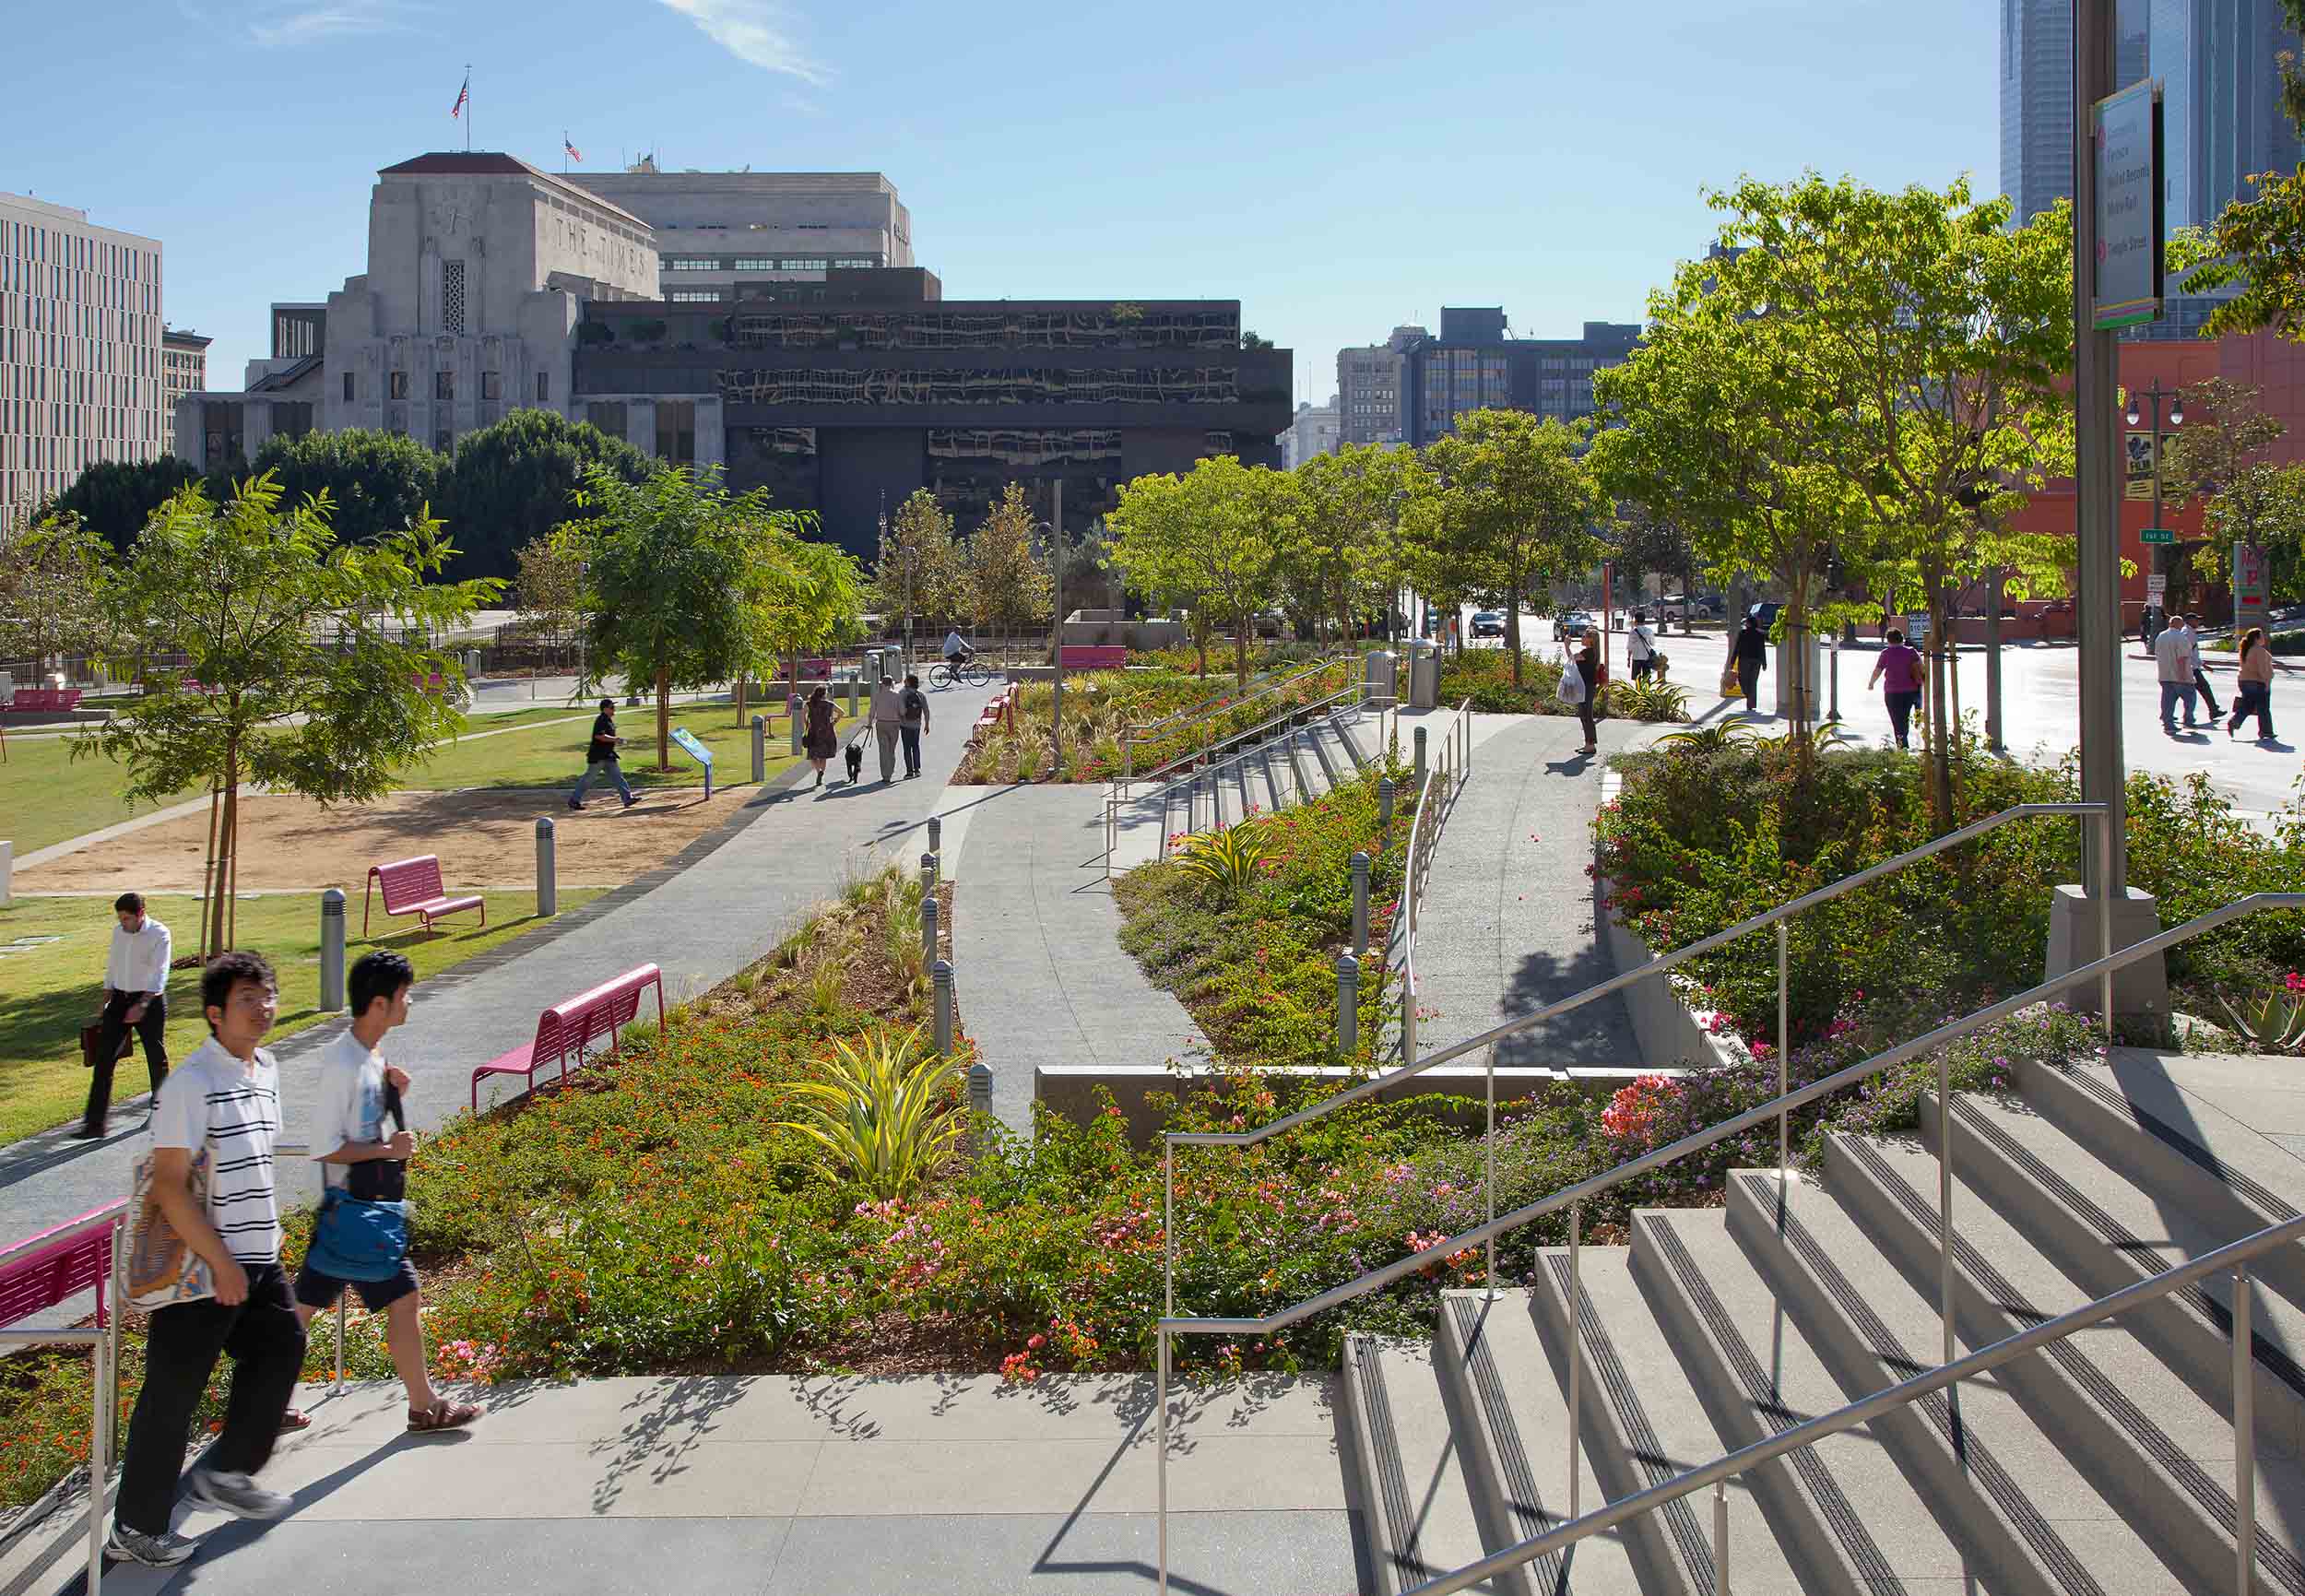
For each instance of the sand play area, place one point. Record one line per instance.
(484, 838)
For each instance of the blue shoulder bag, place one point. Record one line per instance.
(363, 1233)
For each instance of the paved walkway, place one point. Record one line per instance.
(787, 848)
(1038, 940)
(1506, 922)
(935, 1485)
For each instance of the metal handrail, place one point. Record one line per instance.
(2234, 1255)
(1137, 733)
(1575, 1196)
(1453, 763)
(1199, 755)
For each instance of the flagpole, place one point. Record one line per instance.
(468, 108)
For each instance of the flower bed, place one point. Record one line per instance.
(1702, 838)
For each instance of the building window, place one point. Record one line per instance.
(348, 388)
(491, 385)
(694, 296)
(692, 264)
(755, 263)
(607, 415)
(452, 296)
(444, 384)
(803, 266)
(440, 439)
(675, 432)
(544, 387)
(399, 385)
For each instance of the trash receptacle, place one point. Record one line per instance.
(1381, 685)
(1423, 675)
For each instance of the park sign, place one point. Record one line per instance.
(2126, 136)
(697, 752)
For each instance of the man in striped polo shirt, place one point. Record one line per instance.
(225, 1099)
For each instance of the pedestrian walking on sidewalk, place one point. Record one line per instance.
(135, 994)
(2173, 663)
(223, 1110)
(888, 712)
(822, 739)
(1751, 653)
(1583, 667)
(912, 720)
(2199, 677)
(2254, 695)
(600, 757)
(364, 1163)
(1640, 647)
(1899, 668)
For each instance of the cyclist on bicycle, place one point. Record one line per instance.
(958, 650)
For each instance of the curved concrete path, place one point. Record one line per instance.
(1506, 923)
(721, 904)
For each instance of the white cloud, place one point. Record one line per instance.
(753, 30)
(290, 25)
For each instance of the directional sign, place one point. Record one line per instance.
(2158, 535)
(696, 749)
(2129, 207)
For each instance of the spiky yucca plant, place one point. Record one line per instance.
(881, 1115)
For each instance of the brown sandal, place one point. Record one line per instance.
(443, 1414)
(295, 1419)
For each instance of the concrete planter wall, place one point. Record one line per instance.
(1667, 1026)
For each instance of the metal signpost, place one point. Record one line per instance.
(697, 752)
(2252, 586)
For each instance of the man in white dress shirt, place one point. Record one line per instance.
(135, 995)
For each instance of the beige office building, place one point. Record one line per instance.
(721, 235)
(80, 370)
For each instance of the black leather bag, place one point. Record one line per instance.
(381, 1179)
(93, 1037)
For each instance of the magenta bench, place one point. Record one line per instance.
(413, 887)
(57, 1265)
(1099, 656)
(568, 1028)
(46, 698)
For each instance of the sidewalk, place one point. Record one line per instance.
(1042, 977)
(1505, 926)
(935, 1485)
(784, 848)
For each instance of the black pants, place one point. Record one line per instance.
(2253, 698)
(266, 1346)
(1749, 680)
(910, 737)
(151, 1031)
(2200, 681)
(1901, 705)
(1642, 668)
(1584, 718)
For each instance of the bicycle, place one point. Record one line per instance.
(967, 673)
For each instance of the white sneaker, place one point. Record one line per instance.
(164, 1550)
(235, 1494)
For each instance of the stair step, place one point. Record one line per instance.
(1352, 743)
(1514, 1440)
(1317, 738)
(2106, 1232)
(2155, 1449)
(1841, 1510)
(2133, 1112)
(2029, 1515)
(1644, 1423)
(1303, 772)
(1415, 1506)
(1272, 776)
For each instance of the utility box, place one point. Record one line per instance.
(1423, 675)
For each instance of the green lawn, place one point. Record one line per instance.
(542, 755)
(52, 989)
(47, 796)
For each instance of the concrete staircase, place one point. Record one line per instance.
(1277, 772)
(2100, 1466)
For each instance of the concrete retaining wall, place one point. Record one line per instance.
(1663, 1023)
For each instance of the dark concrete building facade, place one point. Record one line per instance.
(1473, 365)
(842, 396)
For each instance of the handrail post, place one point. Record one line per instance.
(1784, 1048)
(340, 1381)
(1168, 1227)
(1720, 1538)
(104, 1370)
(1945, 1193)
(2244, 1437)
(1576, 1345)
(1160, 1395)
(2105, 921)
(1490, 1181)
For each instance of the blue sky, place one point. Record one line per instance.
(1338, 168)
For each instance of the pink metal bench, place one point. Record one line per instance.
(46, 698)
(1098, 656)
(566, 1029)
(413, 887)
(57, 1265)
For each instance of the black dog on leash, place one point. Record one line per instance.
(854, 754)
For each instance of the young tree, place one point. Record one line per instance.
(1151, 526)
(1512, 508)
(1209, 540)
(1344, 556)
(2219, 456)
(377, 482)
(550, 589)
(812, 597)
(1006, 581)
(301, 645)
(678, 578)
(512, 482)
(918, 568)
(50, 577)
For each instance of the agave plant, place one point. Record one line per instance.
(1719, 736)
(881, 1114)
(1647, 700)
(1230, 859)
(2274, 1022)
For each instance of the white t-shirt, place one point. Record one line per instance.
(213, 1100)
(2173, 652)
(1642, 644)
(352, 1102)
(953, 646)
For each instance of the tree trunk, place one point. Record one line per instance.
(1512, 623)
(1940, 750)
(217, 934)
(1240, 650)
(741, 675)
(664, 717)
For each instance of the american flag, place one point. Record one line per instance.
(572, 152)
(463, 93)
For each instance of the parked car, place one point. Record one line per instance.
(1766, 612)
(1488, 623)
(1571, 623)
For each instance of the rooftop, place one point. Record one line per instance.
(496, 163)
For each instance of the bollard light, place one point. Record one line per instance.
(1360, 905)
(1348, 1003)
(547, 887)
(980, 1087)
(936, 834)
(1385, 798)
(940, 984)
(928, 875)
(1420, 759)
(760, 748)
(794, 707)
(928, 927)
(331, 950)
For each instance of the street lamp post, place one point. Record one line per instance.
(2156, 396)
(1057, 565)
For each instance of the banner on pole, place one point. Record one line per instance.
(2138, 462)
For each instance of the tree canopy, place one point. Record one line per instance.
(516, 479)
(1004, 579)
(918, 568)
(1210, 542)
(113, 499)
(376, 483)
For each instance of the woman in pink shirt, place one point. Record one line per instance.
(1901, 667)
